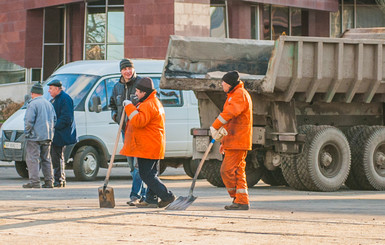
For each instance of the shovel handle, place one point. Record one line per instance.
(200, 166)
(114, 151)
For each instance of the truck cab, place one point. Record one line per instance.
(90, 85)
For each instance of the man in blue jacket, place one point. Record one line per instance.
(39, 121)
(65, 131)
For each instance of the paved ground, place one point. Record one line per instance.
(278, 215)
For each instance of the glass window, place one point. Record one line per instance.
(110, 82)
(101, 92)
(370, 16)
(254, 22)
(280, 21)
(296, 22)
(75, 85)
(265, 20)
(218, 21)
(168, 97)
(96, 28)
(115, 24)
(104, 30)
(335, 24)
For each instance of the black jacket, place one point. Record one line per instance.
(122, 91)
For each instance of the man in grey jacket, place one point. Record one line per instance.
(39, 122)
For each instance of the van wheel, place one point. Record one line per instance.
(22, 169)
(162, 167)
(86, 163)
(191, 166)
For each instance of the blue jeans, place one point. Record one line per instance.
(155, 188)
(137, 189)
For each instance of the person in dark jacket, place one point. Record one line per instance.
(39, 121)
(125, 90)
(65, 130)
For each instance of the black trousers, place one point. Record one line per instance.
(58, 163)
(155, 188)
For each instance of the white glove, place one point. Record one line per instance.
(218, 134)
(126, 102)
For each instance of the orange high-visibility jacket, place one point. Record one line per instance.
(237, 119)
(145, 135)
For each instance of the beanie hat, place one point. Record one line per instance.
(37, 88)
(55, 82)
(231, 78)
(126, 63)
(145, 84)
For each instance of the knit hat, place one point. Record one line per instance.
(37, 88)
(55, 83)
(145, 84)
(231, 78)
(126, 63)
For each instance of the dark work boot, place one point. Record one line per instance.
(237, 206)
(47, 184)
(31, 185)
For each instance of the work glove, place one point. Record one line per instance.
(126, 102)
(218, 134)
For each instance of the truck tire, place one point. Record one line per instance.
(354, 134)
(22, 169)
(212, 173)
(274, 178)
(86, 163)
(191, 166)
(290, 173)
(324, 163)
(162, 167)
(368, 164)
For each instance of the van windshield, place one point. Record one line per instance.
(75, 85)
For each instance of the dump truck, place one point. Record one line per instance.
(318, 106)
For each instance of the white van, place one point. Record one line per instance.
(90, 85)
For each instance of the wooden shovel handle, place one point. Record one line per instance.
(114, 151)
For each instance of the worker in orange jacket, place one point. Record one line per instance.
(145, 139)
(237, 119)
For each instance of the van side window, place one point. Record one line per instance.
(168, 97)
(110, 82)
(101, 92)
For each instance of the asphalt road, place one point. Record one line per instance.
(277, 214)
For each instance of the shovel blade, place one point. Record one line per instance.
(181, 203)
(106, 197)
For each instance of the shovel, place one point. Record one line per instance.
(106, 194)
(181, 203)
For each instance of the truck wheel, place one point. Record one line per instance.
(325, 161)
(290, 173)
(212, 173)
(274, 178)
(368, 156)
(191, 166)
(354, 135)
(21, 169)
(86, 163)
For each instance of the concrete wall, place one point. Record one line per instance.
(14, 91)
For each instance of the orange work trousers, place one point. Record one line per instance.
(234, 176)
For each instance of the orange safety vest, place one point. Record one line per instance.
(145, 135)
(237, 119)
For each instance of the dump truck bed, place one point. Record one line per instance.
(308, 68)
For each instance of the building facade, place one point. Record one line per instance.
(38, 36)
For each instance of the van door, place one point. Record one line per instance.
(100, 124)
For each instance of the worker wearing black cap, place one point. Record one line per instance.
(125, 90)
(65, 130)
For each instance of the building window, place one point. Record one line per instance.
(218, 17)
(277, 20)
(104, 38)
(357, 14)
(53, 40)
